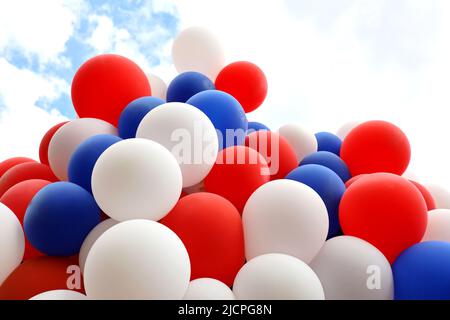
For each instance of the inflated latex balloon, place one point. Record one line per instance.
(159, 87)
(136, 179)
(9, 163)
(256, 126)
(187, 85)
(352, 269)
(138, 259)
(386, 210)
(440, 195)
(43, 147)
(431, 204)
(329, 160)
(197, 49)
(188, 134)
(343, 131)
(327, 141)
(208, 289)
(277, 277)
(376, 146)
(104, 85)
(302, 141)
(69, 137)
(60, 295)
(285, 216)
(199, 187)
(211, 229)
(353, 180)
(438, 228)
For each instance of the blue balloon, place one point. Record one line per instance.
(256, 126)
(226, 113)
(187, 85)
(328, 185)
(328, 142)
(329, 160)
(133, 114)
(422, 272)
(83, 159)
(59, 218)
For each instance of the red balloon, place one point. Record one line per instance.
(43, 148)
(246, 82)
(353, 180)
(277, 151)
(17, 198)
(23, 172)
(211, 229)
(9, 163)
(376, 146)
(238, 172)
(39, 275)
(386, 210)
(105, 85)
(431, 204)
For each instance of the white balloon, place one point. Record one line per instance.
(440, 195)
(159, 87)
(277, 277)
(60, 295)
(438, 228)
(346, 128)
(12, 242)
(91, 238)
(188, 134)
(138, 260)
(302, 141)
(69, 137)
(136, 179)
(208, 289)
(197, 49)
(352, 269)
(285, 216)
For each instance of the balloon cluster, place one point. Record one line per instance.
(168, 192)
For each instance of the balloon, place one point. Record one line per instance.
(136, 179)
(85, 156)
(43, 147)
(353, 180)
(59, 218)
(225, 113)
(69, 137)
(343, 131)
(187, 85)
(329, 187)
(133, 114)
(17, 199)
(431, 204)
(438, 228)
(276, 150)
(302, 141)
(285, 216)
(211, 229)
(352, 269)
(186, 132)
(159, 87)
(12, 242)
(256, 126)
(422, 272)
(386, 210)
(104, 85)
(277, 277)
(196, 49)
(376, 146)
(60, 295)
(246, 82)
(208, 289)
(440, 195)
(238, 172)
(328, 142)
(38, 275)
(138, 260)
(329, 160)
(200, 187)
(9, 163)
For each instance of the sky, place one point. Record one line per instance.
(328, 62)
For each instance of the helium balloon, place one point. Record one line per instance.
(200, 187)
(328, 142)
(329, 187)
(133, 114)
(246, 82)
(352, 269)
(211, 229)
(69, 137)
(302, 141)
(386, 210)
(197, 49)
(431, 204)
(138, 260)
(85, 156)
(43, 147)
(346, 128)
(440, 195)
(186, 132)
(136, 179)
(208, 289)
(226, 113)
(256, 126)
(159, 87)
(329, 160)
(104, 85)
(421, 272)
(438, 228)
(59, 218)
(9, 163)
(353, 180)
(60, 295)
(376, 146)
(187, 85)
(285, 216)
(277, 277)
(276, 150)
